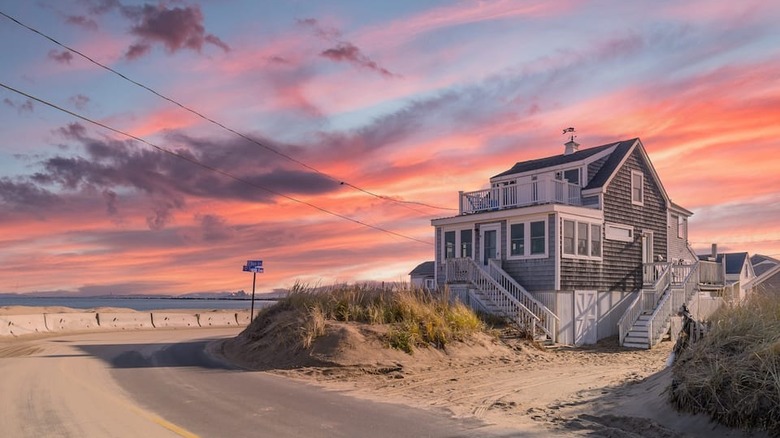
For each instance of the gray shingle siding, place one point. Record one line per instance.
(678, 247)
(535, 274)
(622, 268)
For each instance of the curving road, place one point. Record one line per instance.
(161, 383)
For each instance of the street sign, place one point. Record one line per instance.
(255, 266)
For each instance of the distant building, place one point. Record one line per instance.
(423, 275)
(737, 271)
(767, 279)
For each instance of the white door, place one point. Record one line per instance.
(585, 317)
(489, 242)
(648, 270)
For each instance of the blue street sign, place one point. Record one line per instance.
(253, 266)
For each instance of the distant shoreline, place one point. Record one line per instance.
(138, 303)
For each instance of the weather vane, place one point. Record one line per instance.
(570, 129)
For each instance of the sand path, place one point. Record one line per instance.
(602, 390)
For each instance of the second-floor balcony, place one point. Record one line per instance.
(543, 191)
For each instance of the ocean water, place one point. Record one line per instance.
(139, 303)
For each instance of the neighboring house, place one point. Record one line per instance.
(576, 246)
(423, 275)
(762, 263)
(767, 279)
(738, 271)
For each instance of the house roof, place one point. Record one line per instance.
(760, 258)
(557, 160)
(762, 267)
(762, 263)
(680, 208)
(734, 261)
(598, 180)
(424, 269)
(611, 165)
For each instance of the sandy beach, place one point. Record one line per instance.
(601, 390)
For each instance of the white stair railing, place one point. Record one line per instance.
(670, 304)
(466, 269)
(647, 299)
(548, 320)
(630, 316)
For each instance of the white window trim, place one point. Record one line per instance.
(611, 236)
(576, 254)
(458, 241)
(527, 239)
(641, 188)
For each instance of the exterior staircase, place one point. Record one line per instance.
(493, 291)
(637, 336)
(649, 316)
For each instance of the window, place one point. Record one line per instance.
(582, 238)
(458, 243)
(681, 227)
(595, 240)
(568, 237)
(517, 240)
(466, 243)
(537, 238)
(527, 239)
(572, 176)
(637, 188)
(449, 244)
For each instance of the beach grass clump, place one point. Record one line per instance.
(416, 317)
(733, 373)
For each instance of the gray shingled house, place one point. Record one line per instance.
(575, 247)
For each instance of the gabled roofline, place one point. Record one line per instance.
(679, 209)
(755, 281)
(578, 163)
(623, 160)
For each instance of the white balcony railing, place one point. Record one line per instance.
(520, 195)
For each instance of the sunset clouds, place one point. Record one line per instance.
(409, 103)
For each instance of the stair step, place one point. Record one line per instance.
(643, 346)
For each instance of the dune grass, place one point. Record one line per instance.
(416, 317)
(733, 373)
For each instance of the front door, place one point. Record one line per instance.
(490, 241)
(648, 270)
(585, 317)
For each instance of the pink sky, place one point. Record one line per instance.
(409, 101)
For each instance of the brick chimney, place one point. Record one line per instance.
(714, 251)
(571, 147)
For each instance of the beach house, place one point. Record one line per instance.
(575, 247)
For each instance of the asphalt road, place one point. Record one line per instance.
(162, 383)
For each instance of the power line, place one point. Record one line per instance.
(211, 168)
(208, 119)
